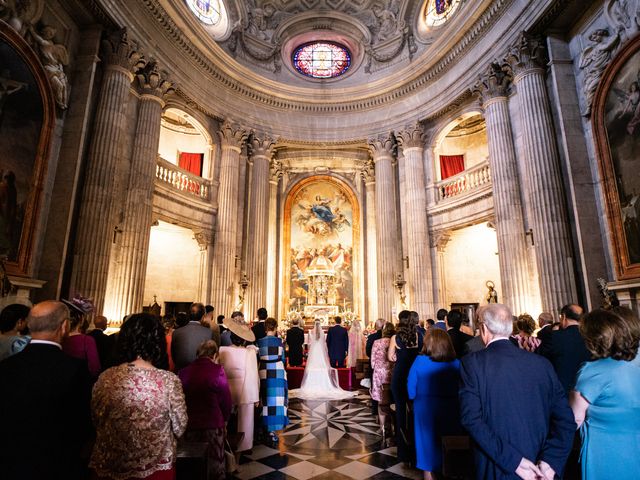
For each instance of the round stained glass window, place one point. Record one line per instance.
(437, 12)
(207, 11)
(321, 59)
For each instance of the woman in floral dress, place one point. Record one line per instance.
(382, 369)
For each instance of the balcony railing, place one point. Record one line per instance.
(186, 182)
(463, 183)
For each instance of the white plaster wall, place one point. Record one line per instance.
(173, 266)
(172, 142)
(474, 147)
(469, 261)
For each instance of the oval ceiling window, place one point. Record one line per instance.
(437, 12)
(321, 59)
(207, 11)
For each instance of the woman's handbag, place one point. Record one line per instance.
(230, 464)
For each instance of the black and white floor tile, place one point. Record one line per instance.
(327, 440)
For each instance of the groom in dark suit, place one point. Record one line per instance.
(513, 406)
(337, 344)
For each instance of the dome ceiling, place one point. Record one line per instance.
(409, 60)
(380, 36)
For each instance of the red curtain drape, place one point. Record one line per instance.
(451, 165)
(191, 162)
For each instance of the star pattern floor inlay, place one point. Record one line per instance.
(337, 439)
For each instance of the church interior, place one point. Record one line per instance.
(320, 158)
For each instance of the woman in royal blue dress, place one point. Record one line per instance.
(433, 387)
(274, 391)
(606, 398)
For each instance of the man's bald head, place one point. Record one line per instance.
(380, 323)
(47, 317)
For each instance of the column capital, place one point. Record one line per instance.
(382, 147)
(526, 55)
(495, 83)
(411, 137)
(261, 146)
(276, 169)
(439, 240)
(232, 136)
(367, 172)
(119, 52)
(204, 238)
(152, 81)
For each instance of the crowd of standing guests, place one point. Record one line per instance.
(113, 407)
(519, 393)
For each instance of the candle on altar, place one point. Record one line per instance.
(298, 304)
(344, 304)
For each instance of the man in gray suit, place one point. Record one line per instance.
(186, 340)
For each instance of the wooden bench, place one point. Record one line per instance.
(192, 461)
(457, 457)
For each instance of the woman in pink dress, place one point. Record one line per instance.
(77, 344)
(382, 369)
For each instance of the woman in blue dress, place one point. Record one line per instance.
(274, 391)
(433, 387)
(606, 398)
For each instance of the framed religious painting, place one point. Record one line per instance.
(27, 116)
(616, 123)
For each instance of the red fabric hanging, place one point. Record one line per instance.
(191, 162)
(451, 165)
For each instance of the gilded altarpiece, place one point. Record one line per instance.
(321, 234)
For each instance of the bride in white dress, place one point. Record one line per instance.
(320, 381)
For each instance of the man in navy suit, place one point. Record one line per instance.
(337, 344)
(513, 406)
(565, 348)
(45, 403)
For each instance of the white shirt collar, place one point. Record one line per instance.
(496, 339)
(46, 342)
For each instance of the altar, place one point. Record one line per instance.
(322, 294)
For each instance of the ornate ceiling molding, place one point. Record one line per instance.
(482, 25)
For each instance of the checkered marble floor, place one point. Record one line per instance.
(327, 440)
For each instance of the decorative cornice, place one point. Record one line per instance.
(484, 23)
(495, 83)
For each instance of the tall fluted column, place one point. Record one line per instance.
(415, 202)
(368, 175)
(136, 227)
(231, 140)
(272, 248)
(545, 198)
(382, 150)
(493, 90)
(260, 150)
(95, 223)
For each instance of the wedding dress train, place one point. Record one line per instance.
(320, 381)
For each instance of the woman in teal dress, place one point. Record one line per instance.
(606, 399)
